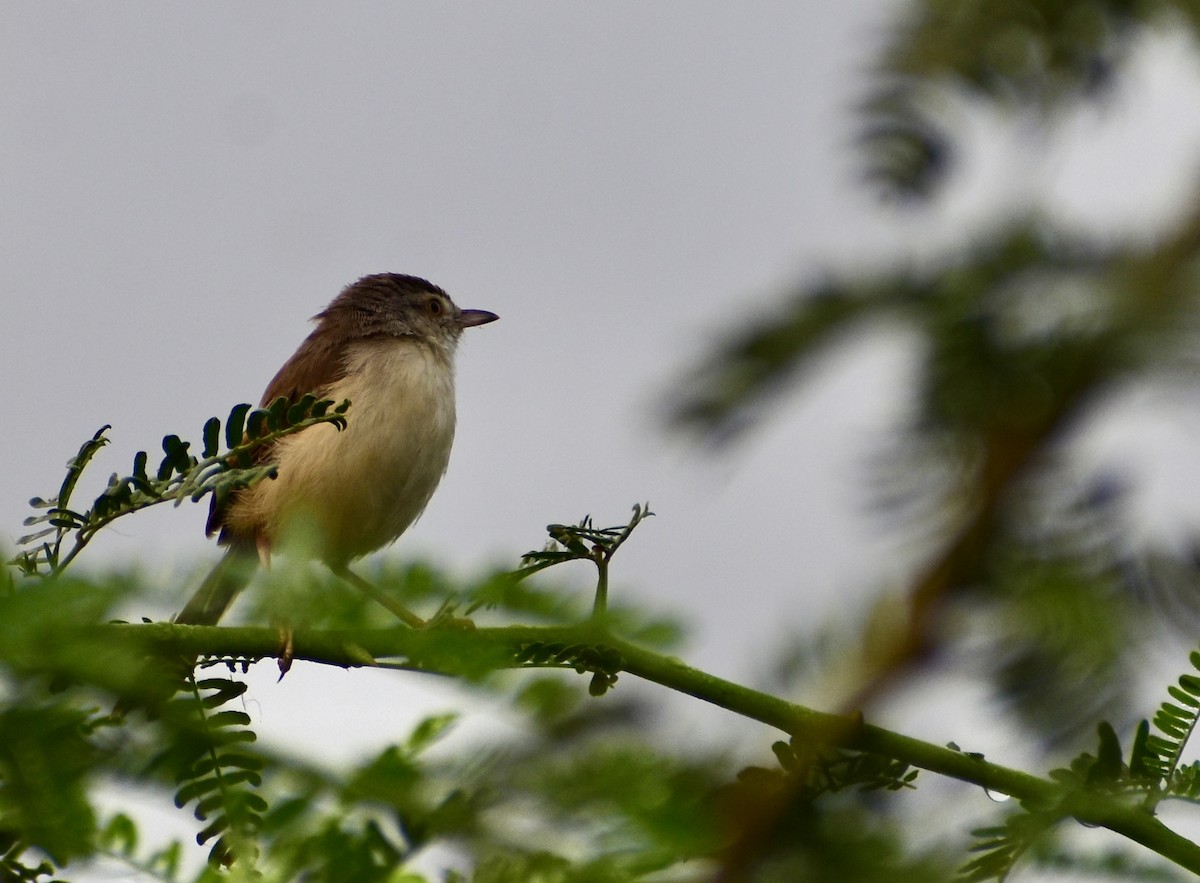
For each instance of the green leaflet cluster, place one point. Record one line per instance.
(180, 476)
(809, 771)
(580, 542)
(603, 662)
(584, 542)
(13, 868)
(216, 772)
(1158, 755)
(818, 828)
(274, 818)
(998, 847)
(1152, 773)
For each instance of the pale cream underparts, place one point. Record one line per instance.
(341, 495)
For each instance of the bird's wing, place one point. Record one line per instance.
(314, 368)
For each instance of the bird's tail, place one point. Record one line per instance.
(220, 587)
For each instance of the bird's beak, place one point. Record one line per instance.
(471, 318)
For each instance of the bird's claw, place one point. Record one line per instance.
(287, 650)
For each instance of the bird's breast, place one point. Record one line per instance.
(341, 495)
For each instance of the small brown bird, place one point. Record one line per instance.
(387, 344)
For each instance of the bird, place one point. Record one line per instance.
(387, 343)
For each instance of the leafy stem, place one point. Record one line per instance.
(222, 779)
(444, 650)
(584, 542)
(179, 476)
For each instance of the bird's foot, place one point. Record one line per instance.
(287, 649)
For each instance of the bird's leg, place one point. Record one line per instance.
(287, 649)
(406, 615)
(287, 635)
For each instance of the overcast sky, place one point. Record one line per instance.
(183, 190)
(182, 187)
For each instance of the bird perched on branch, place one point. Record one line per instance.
(386, 343)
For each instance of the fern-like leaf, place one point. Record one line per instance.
(179, 476)
(1157, 755)
(215, 771)
(998, 848)
(583, 542)
(603, 662)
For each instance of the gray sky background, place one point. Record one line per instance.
(183, 190)
(181, 187)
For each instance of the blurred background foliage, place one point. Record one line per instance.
(1026, 571)
(1028, 336)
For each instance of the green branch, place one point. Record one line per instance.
(476, 652)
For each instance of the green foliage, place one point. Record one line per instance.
(45, 758)
(603, 662)
(1016, 327)
(1023, 335)
(830, 771)
(119, 837)
(1058, 615)
(583, 542)
(180, 476)
(628, 809)
(214, 769)
(1016, 55)
(259, 814)
(1156, 757)
(999, 847)
(1152, 773)
(806, 819)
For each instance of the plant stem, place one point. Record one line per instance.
(497, 647)
(600, 606)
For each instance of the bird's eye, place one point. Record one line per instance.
(435, 306)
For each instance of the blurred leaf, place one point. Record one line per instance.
(44, 764)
